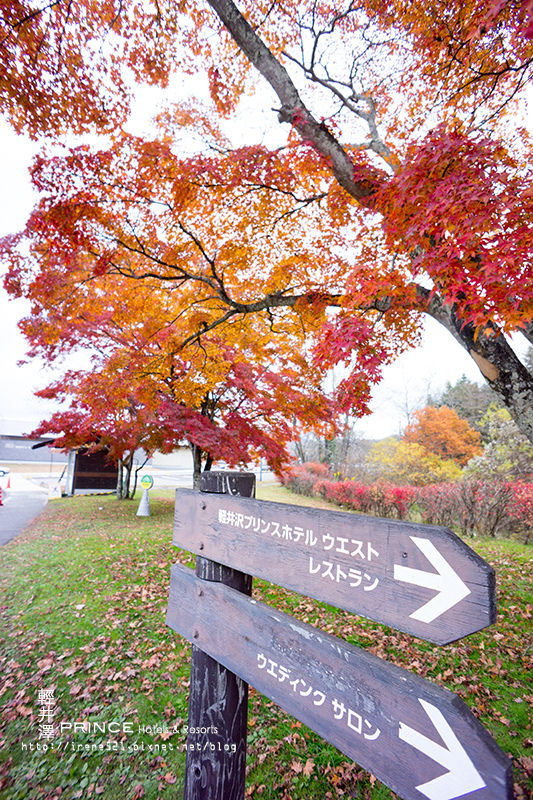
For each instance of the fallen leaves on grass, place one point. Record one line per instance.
(120, 654)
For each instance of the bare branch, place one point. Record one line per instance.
(292, 109)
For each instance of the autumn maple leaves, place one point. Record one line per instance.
(198, 275)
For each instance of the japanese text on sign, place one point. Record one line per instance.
(357, 549)
(351, 718)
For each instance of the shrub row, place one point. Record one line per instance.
(472, 507)
(381, 499)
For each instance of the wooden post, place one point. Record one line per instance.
(218, 699)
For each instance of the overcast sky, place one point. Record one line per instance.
(405, 384)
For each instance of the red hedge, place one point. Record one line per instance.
(473, 507)
(380, 499)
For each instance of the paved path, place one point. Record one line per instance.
(21, 503)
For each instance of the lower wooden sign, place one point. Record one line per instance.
(417, 738)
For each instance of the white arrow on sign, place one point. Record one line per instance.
(451, 589)
(462, 776)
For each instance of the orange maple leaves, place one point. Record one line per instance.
(225, 233)
(442, 432)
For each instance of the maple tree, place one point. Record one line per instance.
(442, 432)
(99, 419)
(145, 390)
(393, 159)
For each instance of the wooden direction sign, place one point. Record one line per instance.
(419, 739)
(418, 578)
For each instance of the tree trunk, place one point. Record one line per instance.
(330, 448)
(139, 468)
(197, 465)
(126, 479)
(300, 451)
(119, 480)
(497, 362)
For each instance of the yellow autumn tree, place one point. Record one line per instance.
(404, 462)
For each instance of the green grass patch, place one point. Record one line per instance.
(84, 594)
(275, 492)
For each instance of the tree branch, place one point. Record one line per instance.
(497, 362)
(527, 330)
(292, 109)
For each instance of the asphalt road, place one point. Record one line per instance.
(18, 509)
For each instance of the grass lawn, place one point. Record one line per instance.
(84, 595)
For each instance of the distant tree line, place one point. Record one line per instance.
(462, 431)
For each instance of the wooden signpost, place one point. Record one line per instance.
(419, 739)
(418, 578)
(215, 765)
